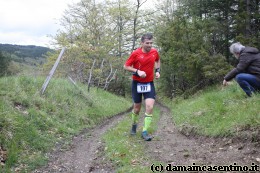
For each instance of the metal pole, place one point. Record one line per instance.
(44, 86)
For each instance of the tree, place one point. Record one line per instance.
(100, 32)
(4, 63)
(191, 41)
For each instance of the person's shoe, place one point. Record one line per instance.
(145, 136)
(133, 130)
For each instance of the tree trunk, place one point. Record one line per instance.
(248, 16)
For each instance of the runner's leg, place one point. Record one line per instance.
(137, 99)
(149, 103)
(135, 112)
(148, 113)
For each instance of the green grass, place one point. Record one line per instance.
(31, 124)
(127, 152)
(214, 112)
(217, 112)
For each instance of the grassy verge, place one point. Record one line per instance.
(128, 152)
(214, 112)
(31, 125)
(218, 112)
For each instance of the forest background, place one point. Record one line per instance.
(193, 38)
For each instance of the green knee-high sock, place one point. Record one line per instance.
(134, 118)
(147, 121)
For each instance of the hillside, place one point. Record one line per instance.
(219, 120)
(21, 51)
(31, 124)
(109, 147)
(219, 112)
(29, 56)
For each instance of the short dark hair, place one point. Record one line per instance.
(148, 36)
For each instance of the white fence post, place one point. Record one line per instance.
(44, 86)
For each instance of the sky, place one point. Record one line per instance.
(30, 22)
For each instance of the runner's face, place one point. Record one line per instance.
(147, 45)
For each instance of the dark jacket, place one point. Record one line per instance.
(249, 62)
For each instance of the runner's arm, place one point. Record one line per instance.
(158, 64)
(140, 73)
(130, 68)
(157, 69)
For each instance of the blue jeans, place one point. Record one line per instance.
(248, 82)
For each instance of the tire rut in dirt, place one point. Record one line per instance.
(171, 147)
(84, 155)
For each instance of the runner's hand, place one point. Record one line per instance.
(157, 75)
(142, 74)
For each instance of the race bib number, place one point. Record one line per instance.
(143, 88)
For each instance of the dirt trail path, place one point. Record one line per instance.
(84, 154)
(171, 147)
(168, 146)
